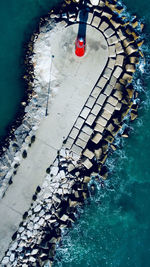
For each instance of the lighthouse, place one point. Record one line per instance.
(80, 47)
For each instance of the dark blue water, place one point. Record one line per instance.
(18, 19)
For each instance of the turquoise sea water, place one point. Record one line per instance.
(114, 226)
(18, 19)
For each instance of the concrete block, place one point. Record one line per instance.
(99, 128)
(109, 32)
(106, 115)
(90, 17)
(81, 143)
(97, 137)
(79, 122)
(110, 127)
(69, 143)
(121, 34)
(112, 51)
(85, 137)
(117, 72)
(102, 82)
(111, 63)
(103, 26)
(107, 73)
(101, 3)
(96, 109)
(119, 48)
(115, 24)
(118, 106)
(87, 164)
(106, 14)
(109, 108)
(76, 149)
(85, 112)
(127, 77)
(90, 102)
(113, 81)
(130, 68)
(96, 21)
(101, 99)
(89, 154)
(112, 40)
(101, 121)
(91, 118)
(112, 100)
(118, 94)
(86, 129)
(74, 133)
(108, 90)
(96, 91)
(119, 60)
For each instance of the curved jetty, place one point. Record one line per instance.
(76, 107)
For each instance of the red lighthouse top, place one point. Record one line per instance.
(80, 47)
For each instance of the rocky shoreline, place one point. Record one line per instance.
(86, 149)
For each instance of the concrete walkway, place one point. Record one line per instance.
(76, 79)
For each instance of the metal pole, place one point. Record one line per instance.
(49, 85)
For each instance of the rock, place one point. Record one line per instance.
(54, 171)
(71, 167)
(133, 115)
(72, 203)
(34, 251)
(32, 259)
(41, 222)
(94, 2)
(86, 179)
(113, 147)
(5, 260)
(37, 208)
(64, 218)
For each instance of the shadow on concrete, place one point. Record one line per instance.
(83, 17)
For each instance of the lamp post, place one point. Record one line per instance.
(49, 85)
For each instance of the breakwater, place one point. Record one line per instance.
(92, 135)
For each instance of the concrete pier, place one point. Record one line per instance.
(95, 94)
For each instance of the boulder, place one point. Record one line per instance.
(94, 2)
